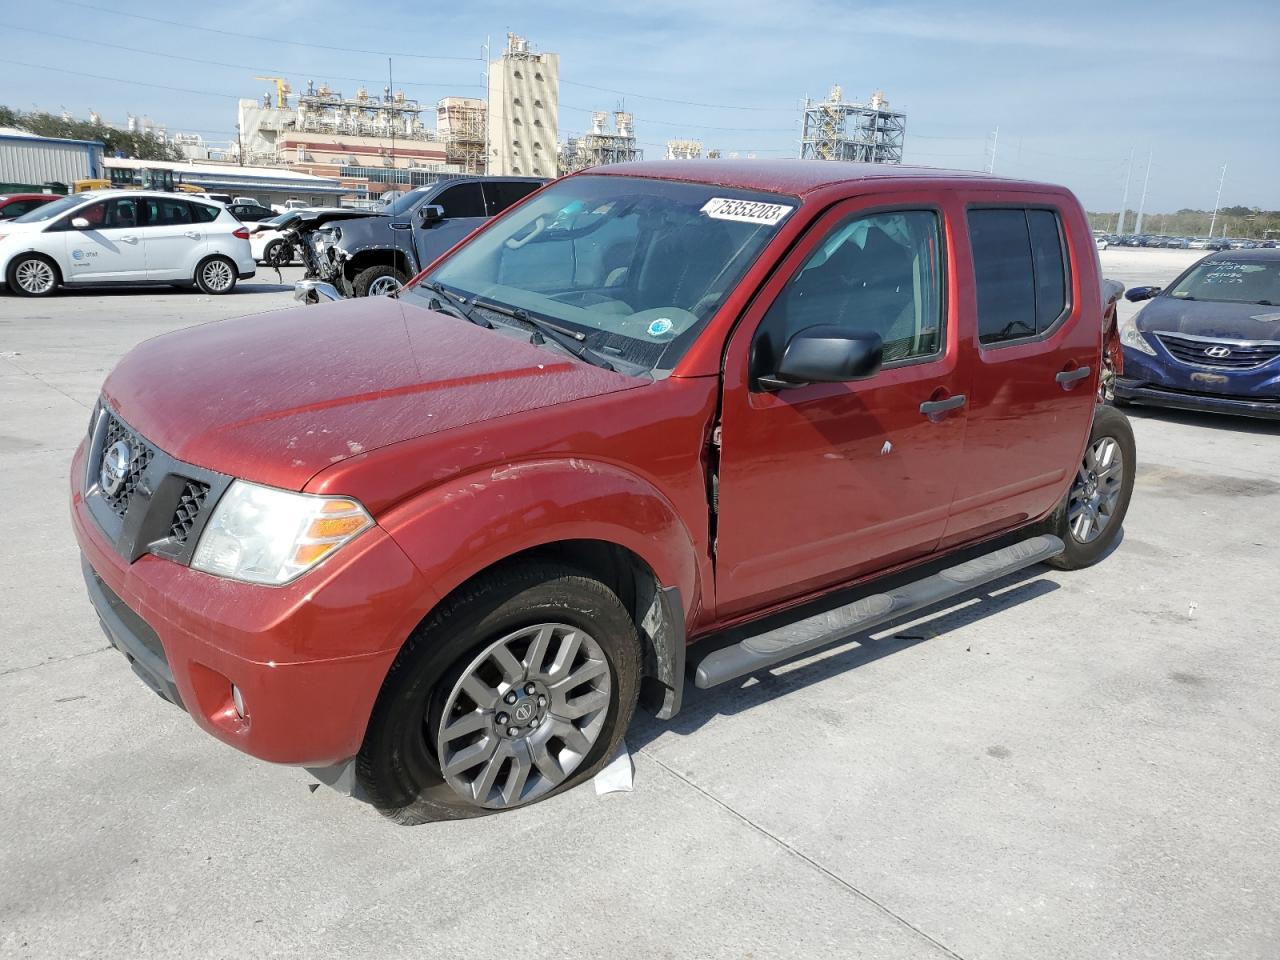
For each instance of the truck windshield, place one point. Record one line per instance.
(634, 267)
(1231, 280)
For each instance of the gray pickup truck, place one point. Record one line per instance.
(362, 253)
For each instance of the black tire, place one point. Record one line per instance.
(27, 261)
(226, 275)
(1108, 423)
(398, 768)
(272, 255)
(366, 278)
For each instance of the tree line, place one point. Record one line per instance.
(1249, 222)
(122, 143)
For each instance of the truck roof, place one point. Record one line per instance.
(795, 177)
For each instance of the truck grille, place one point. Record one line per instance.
(1232, 354)
(190, 503)
(140, 454)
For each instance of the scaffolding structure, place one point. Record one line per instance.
(837, 129)
(461, 122)
(323, 110)
(684, 149)
(602, 146)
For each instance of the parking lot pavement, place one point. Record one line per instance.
(1066, 765)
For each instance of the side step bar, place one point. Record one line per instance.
(795, 639)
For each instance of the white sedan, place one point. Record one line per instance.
(268, 245)
(124, 236)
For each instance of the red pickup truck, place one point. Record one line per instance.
(657, 421)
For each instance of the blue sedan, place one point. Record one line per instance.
(1209, 341)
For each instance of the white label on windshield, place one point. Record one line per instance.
(745, 211)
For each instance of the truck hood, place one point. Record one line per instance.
(277, 397)
(1206, 318)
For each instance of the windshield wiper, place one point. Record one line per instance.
(458, 304)
(571, 340)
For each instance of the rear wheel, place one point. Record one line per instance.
(379, 281)
(516, 689)
(33, 275)
(216, 276)
(1089, 518)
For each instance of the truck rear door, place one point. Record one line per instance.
(825, 482)
(1035, 355)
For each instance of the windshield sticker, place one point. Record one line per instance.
(745, 211)
(660, 326)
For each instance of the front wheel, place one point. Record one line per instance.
(1089, 519)
(519, 687)
(33, 275)
(380, 281)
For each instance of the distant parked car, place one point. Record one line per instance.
(1210, 341)
(251, 212)
(1101, 243)
(1176, 243)
(1200, 243)
(269, 245)
(16, 204)
(124, 236)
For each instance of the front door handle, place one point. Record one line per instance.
(1071, 376)
(129, 239)
(930, 407)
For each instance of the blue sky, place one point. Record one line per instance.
(1072, 87)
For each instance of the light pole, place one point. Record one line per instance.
(1137, 227)
(1124, 200)
(1217, 202)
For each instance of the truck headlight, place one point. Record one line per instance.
(1131, 336)
(264, 535)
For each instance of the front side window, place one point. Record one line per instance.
(637, 266)
(463, 200)
(1020, 270)
(878, 274)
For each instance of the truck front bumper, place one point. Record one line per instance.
(287, 674)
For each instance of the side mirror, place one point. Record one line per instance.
(826, 354)
(1135, 294)
(431, 213)
(80, 223)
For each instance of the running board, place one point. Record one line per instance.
(804, 636)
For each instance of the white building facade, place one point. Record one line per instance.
(524, 111)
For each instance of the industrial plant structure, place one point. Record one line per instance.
(524, 111)
(462, 123)
(601, 146)
(836, 129)
(684, 149)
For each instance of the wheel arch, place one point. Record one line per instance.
(12, 265)
(374, 257)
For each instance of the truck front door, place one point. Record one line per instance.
(464, 210)
(825, 482)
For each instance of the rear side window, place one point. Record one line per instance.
(503, 193)
(1020, 272)
(463, 200)
(203, 213)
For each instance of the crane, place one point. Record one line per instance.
(282, 90)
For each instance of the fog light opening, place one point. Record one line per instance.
(238, 699)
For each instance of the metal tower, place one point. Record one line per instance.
(835, 129)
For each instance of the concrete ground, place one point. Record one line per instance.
(1068, 765)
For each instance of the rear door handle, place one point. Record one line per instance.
(192, 235)
(930, 407)
(1071, 376)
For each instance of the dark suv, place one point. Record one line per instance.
(377, 253)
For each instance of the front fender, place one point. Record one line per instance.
(454, 531)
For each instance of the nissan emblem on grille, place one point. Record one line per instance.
(115, 467)
(1218, 353)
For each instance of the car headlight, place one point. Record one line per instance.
(1131, 336)
(264, 535)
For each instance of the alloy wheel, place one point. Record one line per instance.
(217, 275)
(524, 715)
(34, 276)
(1095, 493)
(384, 286)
